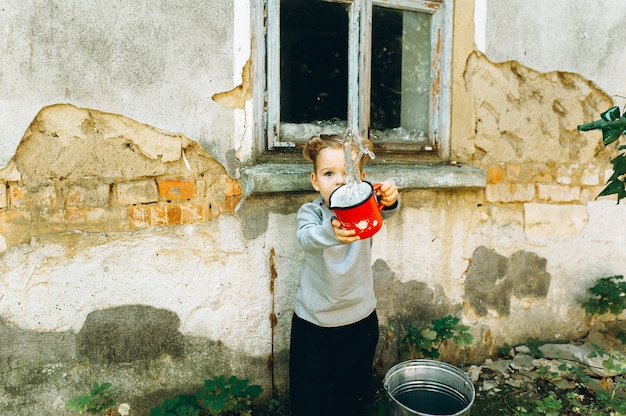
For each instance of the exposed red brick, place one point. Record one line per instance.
(75, 196)
(229, 205)
(192, 212)
(139, 216)
(41, 195)
(8, 216)
(158, 214)
(495, 174)
(177, 189)
(17, 195)
(75, 215)
(174, 216)
(94, 194)
(233, 188)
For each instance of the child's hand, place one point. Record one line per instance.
(388, 193)
(344, 236)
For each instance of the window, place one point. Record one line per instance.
(377, 67)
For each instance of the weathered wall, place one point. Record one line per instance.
(156, 63)
(579, 37)
(129, 254)
(519, 123)
(116, 250)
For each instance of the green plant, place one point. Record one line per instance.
(274, 405)
(545, 373)
(607, 400)
(181, 405)
(612, 126)
(613, 362)
(609, 295)
(425, 343)
(548, 406)
(99, 400)
(504, 350)
(219, 396)
(535, 347)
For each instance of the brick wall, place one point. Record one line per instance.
(552, 200)
(43, 207)
(77, 192)
(543, 184)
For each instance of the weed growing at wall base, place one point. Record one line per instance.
(609, 296)
(98, 401)
(220, 396)
(425, 343)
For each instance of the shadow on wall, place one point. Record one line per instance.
(130, 333)
(402, 303)
(137, 348)
(492, 279)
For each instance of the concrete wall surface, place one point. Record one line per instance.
(579, 37)
(159, 64)
(129, 253)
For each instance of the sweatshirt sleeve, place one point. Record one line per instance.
(315, 230)
(392, 210)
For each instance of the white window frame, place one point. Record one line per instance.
(266, 56)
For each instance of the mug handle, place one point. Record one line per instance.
(376, 187)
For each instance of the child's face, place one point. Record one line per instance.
(330, 172)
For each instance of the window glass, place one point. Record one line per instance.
(313, 68)
(381, 66)
(400, 69)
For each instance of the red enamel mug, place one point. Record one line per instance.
(364, 217)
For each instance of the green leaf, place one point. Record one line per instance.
(611, 114)
(464, 339)
(611, 134)
(237, 386)
(611, 124)
(609, 295)
(614, 186)
(429, 334)
(619, 163)
(254, 391)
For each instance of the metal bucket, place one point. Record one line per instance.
(428, 388)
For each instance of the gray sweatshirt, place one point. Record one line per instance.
(336, 281)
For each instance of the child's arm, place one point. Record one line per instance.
(314, 231)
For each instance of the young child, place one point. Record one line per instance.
(334, 328)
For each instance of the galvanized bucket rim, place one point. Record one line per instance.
(434, 364)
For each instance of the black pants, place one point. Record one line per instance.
(330, 369)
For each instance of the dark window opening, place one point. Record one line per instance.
(313, 61)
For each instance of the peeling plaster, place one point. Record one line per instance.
(522, 115)
(237, 97)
